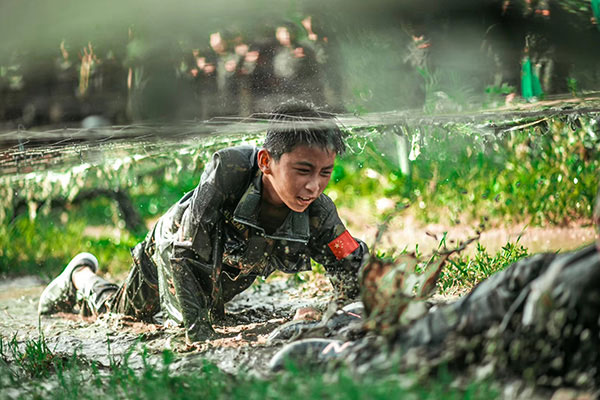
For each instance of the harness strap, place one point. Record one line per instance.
(217, 309)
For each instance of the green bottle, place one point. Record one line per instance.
(596, 12)
(526, 78)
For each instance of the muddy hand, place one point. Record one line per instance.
(307, 314)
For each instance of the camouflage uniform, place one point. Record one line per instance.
(538, 318)
(515, 291)
(210, 246)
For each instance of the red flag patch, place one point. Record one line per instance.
(343, 245)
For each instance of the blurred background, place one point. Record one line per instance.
(116, 62)
(470, 113)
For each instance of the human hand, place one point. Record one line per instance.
(307, 314)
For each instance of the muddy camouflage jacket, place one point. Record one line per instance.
(183, 251)
(539, 318)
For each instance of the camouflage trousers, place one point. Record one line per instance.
(139, 296)
(136, 297)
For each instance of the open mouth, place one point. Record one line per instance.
(305, 200)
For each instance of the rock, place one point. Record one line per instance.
(291, 329)
(357, 308)
(348, 318)
(309, 352)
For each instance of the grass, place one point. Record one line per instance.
(43, 246)
(52, 245)
(66, 378)
(33, 359)
(546, 174)
(465, 271)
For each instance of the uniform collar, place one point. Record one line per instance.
(295, 227)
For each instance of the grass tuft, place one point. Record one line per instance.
(158, 378)
(465, 271)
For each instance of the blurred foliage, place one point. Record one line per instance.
(45, 245)
(495, 95)
(38, 237)
(546, 173)
(542, 172)
(29, 371)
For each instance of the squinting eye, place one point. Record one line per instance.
(303, 171)
(326, 173)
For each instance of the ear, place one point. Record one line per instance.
(264, 159)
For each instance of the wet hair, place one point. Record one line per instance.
(298, 123)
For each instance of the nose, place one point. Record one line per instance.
(312, 185)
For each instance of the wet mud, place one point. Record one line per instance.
(241, 344)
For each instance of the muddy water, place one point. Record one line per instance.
(240, 346)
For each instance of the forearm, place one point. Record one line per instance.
(191, 300)
(343, 274)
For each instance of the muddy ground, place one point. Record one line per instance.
(241, 345)
(242, 337)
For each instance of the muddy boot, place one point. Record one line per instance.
(60, 294)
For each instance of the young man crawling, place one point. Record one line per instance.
(254, 211)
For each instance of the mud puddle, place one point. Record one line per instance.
(241, 343)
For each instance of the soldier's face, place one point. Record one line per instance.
(297, 178)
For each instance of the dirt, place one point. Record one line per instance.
(407, 232)
(241, 344)
(251, 316)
